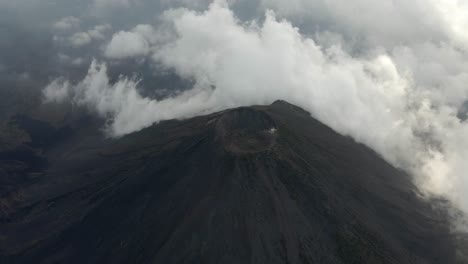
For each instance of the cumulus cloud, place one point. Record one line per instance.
(56, 92)
(121, 102)
(138, 42)
(80, 39)
(99, 31)
(398, 87)
(66, 59)
(128, 44)
(67, 23)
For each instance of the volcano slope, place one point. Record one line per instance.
(262, 184)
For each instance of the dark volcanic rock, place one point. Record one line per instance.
(250, 185)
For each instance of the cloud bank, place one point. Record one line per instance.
(369, 71)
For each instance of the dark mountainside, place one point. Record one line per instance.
(263, 184)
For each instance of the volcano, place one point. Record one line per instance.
(260, 184)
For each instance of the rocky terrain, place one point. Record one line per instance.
(260, 184)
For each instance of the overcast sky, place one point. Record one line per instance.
(392, 74)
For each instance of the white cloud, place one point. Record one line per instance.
(121, 103)
(66, 59)
(383, 22)
(454, 16)
(56, 92)
(80, 39)
(67, 23)
(127, 44)
(140, 41)
(99, 31)
(84, 38)
(257, 65)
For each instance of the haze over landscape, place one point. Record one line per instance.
(390, 74)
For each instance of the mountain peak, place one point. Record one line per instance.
(260, 184)
(246, 130)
